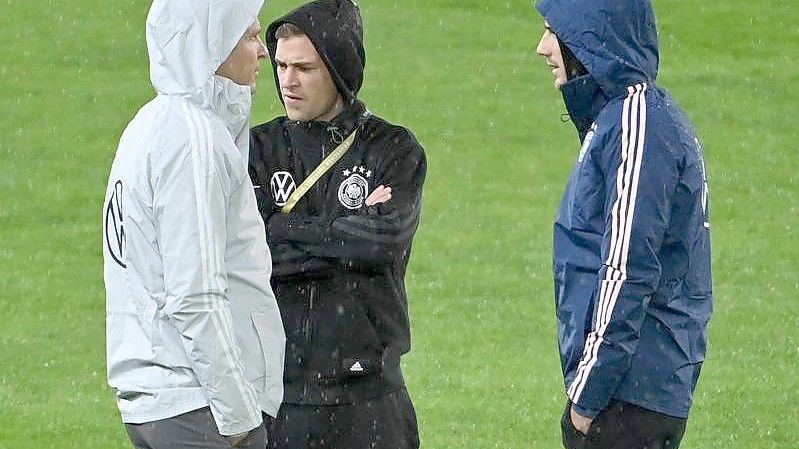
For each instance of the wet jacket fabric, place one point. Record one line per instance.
(631, 239)
(338, 265)
(191, 318)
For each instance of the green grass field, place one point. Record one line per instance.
(463, 75)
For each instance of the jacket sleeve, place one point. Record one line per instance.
(640, 178)
(378, 235)
(292, 263)
(288, 261)
(190, 191)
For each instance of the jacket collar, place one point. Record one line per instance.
(231, 103)
(584, 100)
(304, 134)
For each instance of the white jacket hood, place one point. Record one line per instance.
(187, 41)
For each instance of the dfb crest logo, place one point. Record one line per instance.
(352, 192)
(282, 186)
(114, 226)
(355, 188)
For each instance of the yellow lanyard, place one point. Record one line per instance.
(317, 173)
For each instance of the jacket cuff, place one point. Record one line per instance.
(227, 429)
(277, 227)
(587, 412)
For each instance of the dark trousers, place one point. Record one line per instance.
(195, 429)
(625, 426)
(388, 422)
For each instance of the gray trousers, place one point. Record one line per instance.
(193, 430)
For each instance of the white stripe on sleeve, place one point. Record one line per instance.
(622, 214)
(202, 156)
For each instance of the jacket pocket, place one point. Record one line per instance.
(273, 349)
(575, 295)
(688, 315)
(358, 345)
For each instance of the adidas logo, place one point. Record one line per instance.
(356, 368)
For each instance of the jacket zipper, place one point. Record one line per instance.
(313, 287)
(308, 333)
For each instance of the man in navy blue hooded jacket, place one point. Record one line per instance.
(631, 240)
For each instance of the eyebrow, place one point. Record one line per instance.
(296, 63)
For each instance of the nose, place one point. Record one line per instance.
(541, 49)
(263, 52)
(289, 77)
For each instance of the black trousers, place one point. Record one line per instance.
(624, 426)
(388, 422)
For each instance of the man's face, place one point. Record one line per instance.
(306, 86)
(244, 62)
(549, 48)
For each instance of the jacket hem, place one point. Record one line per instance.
(681, 413)
(161, 412)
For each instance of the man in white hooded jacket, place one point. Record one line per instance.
(194, 336)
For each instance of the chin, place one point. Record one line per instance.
(295, 115)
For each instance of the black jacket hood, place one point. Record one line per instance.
(336, 31)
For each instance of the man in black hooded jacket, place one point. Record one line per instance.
(340, 192)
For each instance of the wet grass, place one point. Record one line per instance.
(463, 76)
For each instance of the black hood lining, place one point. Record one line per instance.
(307, 12)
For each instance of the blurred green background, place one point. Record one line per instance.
(463, 75)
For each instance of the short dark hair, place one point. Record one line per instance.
(286, 30)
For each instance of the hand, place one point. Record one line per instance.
(237, 439)
(580, 422)
(379, 195)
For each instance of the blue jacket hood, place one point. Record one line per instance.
(616, 40)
